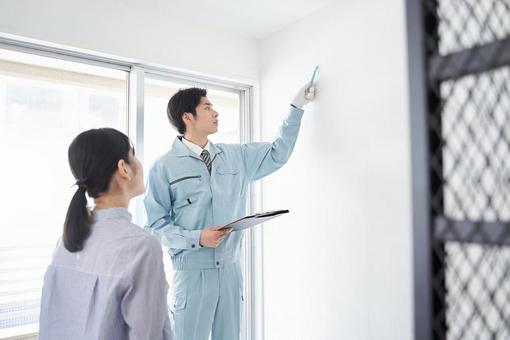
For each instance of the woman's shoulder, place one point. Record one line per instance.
(138, 239)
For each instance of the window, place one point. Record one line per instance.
(45, 101)
(44, 104)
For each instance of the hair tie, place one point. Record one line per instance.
(81, 182)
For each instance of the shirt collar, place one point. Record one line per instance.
(179, 149)
(195, 148)
(111, 213)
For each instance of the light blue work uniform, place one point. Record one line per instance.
(182, 199)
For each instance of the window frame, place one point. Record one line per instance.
(252, 327)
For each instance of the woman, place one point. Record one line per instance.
(106, 278)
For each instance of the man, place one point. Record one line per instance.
(194, 190)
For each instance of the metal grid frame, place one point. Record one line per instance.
(459, 83)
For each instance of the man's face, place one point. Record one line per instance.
(206, 120)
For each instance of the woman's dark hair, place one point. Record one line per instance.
(185, 100)
(93, 158)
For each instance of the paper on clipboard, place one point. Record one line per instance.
(252, 220)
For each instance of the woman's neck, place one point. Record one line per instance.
(107, 201)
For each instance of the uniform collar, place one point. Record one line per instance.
(195, 148)
(180, 149)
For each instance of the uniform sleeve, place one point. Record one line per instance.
(261, 159)
(158, 205)
(144, 301)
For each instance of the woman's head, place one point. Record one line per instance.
(103, 163)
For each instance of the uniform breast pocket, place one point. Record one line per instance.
(229, 179)
(184, 179)
(186, 189)
(228, 173)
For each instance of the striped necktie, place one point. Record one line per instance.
(206, 157)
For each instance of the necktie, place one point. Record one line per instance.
(206, 157)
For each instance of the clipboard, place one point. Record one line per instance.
(252, 220)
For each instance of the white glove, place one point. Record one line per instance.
(305, 95)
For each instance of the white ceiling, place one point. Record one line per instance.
(253, 18)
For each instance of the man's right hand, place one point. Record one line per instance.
(211, 237)
(305, 95)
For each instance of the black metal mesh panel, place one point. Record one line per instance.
(478, 299)
(476, 147)
(469, 140)
(467, 23)
(472, 282)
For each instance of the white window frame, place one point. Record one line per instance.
(252, 328)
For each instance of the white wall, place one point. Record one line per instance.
(339, 266)
(123, 28)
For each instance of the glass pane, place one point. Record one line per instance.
(44, 104)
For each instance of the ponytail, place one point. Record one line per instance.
(77, 222)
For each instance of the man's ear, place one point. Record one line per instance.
(187, 117)
(122, 169)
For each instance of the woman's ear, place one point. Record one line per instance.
(123, 169)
